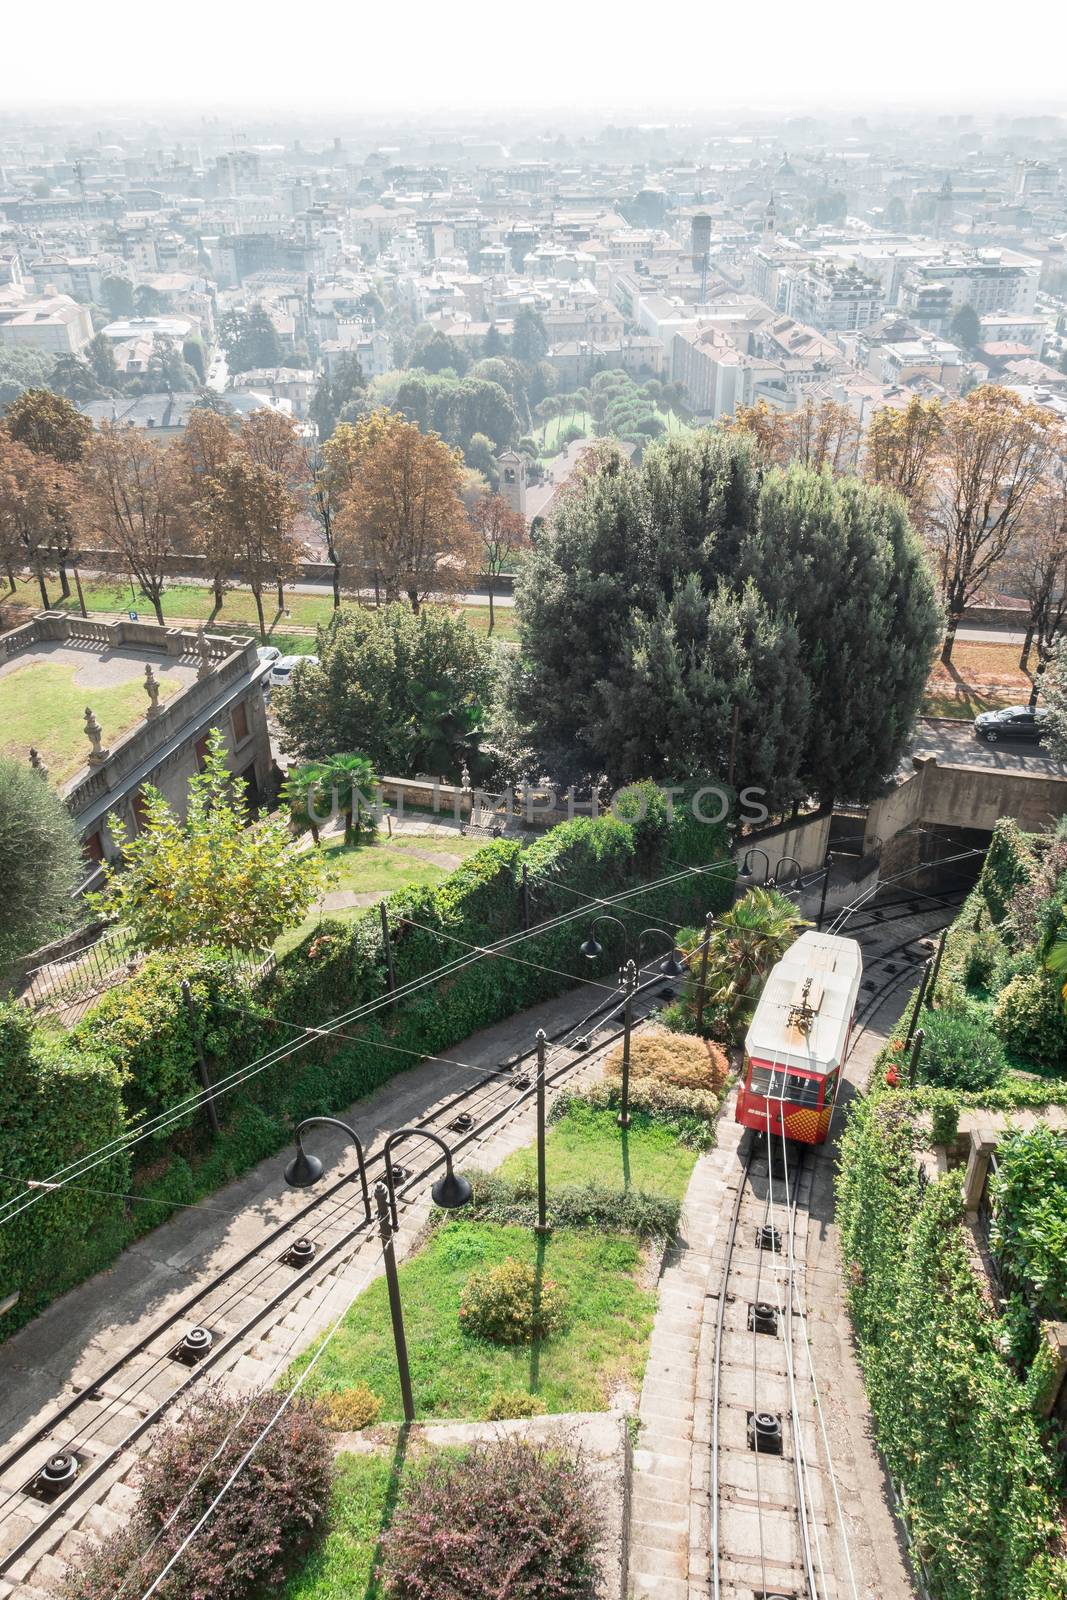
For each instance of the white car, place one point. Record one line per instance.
(268, 652)
(282, 669)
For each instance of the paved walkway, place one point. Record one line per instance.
(670, 1548)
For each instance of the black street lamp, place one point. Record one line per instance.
(776, 880)
(672, 967)
(306, 1169)
(592, 949)
(450, 1192)
(745, 876)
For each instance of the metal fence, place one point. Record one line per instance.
(70, 983)
(74, 980)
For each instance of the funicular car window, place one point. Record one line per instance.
(782, 1085)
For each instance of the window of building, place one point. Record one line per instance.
(93, 847)
(239, 719)
(200, 751)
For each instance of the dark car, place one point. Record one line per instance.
(1013, 722)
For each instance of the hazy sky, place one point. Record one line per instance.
(416, 56)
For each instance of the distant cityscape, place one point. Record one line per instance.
(863, 261)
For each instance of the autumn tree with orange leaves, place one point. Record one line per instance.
(134, 493)
(402, 516)
(501, 532)
(248, 509)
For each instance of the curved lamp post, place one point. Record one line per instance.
(592, 950)
(672, 967)
(449, 1192)
(774, 882)
(745, 876)
(306, 1169)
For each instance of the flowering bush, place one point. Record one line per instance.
(505, 1519)
(267, 1518)
(511, 1304)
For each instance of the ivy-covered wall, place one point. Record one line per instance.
(139, 1036)
(956, 1424)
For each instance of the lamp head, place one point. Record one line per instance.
(744, 875)
(451, 1191)
(672, 967)
(303, 1170)
(592, 949)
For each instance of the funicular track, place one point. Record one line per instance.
(48, 1474)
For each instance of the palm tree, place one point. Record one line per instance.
(747, 942)
(301, 793)
(352, 777)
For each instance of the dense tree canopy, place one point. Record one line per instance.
(40, 860)
(706, 607)
(409, 691)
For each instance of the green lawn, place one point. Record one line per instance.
(588, 1143)
(342, 1566)
(42, 706)
(380, 868)
(550, 436)
(454, 1373)
(191, 602)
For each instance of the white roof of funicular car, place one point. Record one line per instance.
(803, 1014)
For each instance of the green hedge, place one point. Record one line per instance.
(955, 1424)
(1011, 861)
(140, 1032)
(56, 1104)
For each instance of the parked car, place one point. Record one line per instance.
(282, 670)
(268, 652)
(1012, 722)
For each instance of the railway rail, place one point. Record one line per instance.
(777, 1532)
(84, 1442)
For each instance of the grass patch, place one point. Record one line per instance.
(42, 706)
(588, 1144)
(453, 1373)
(193, 602)
(980, 677)
(343, 1564)
(381, 868)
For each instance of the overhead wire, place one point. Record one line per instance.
(174, 1114)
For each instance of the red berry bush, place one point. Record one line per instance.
(263, 1524)
(506, 1521)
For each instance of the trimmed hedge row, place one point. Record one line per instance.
(138, 1041)
(957, 1427)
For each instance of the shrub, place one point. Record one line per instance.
(348, 1410)
(1029, 1234)
(960, 1052)
(267, 1518)
(689, 1113)
(944, 1118)
(513, 1403)
(981, 959)
(952, 1419)
(144, 1028)
(509, 1304)
(575, 1205)
(681, 1059)
(1029, 1019)
(505, 1519)
(1010, 862)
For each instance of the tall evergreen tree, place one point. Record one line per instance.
(704, 612)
